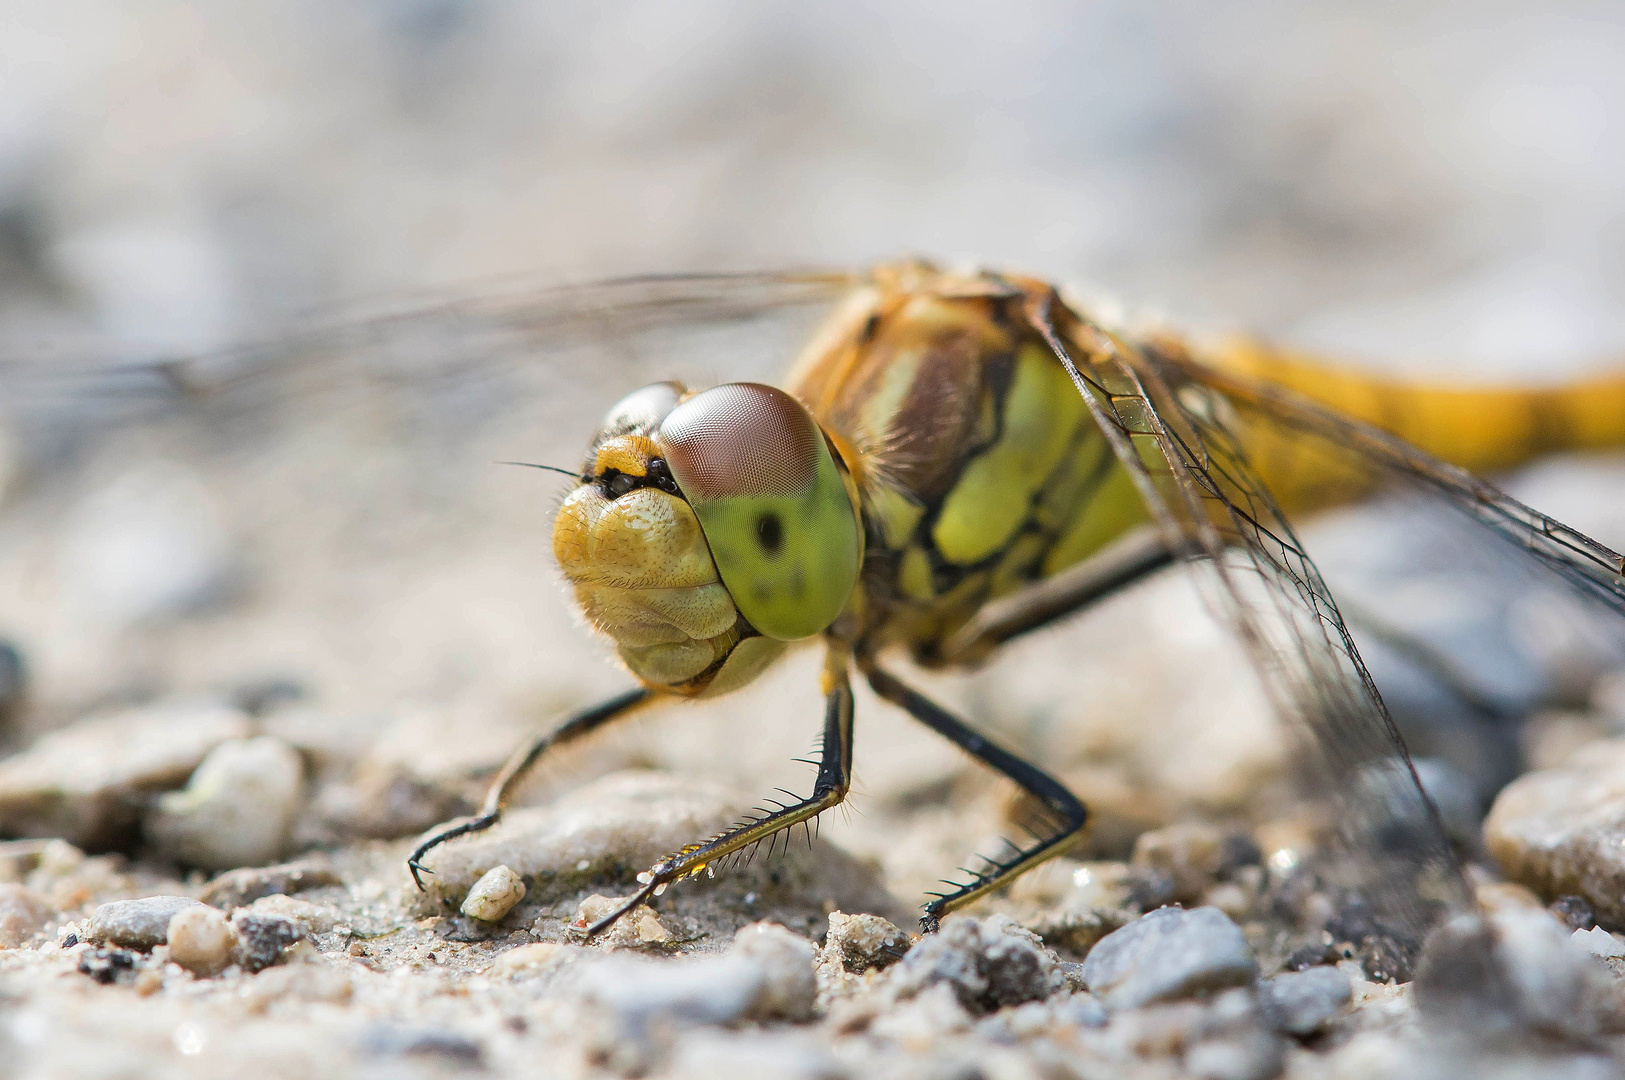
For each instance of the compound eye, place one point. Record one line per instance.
(775, 510)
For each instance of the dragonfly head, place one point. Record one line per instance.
(709, 530)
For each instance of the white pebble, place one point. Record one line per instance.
(236, 810)
(494, 895)
(202, 940)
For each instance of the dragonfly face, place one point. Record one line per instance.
(710, 530)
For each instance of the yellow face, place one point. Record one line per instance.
(710, 530)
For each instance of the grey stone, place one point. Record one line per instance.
(1560, 830)
(1166, 955)
(137, 924)
(1300, 1002)
(1226, 1037)
(989, 963)
(264, 937)
(88, 782)
(236, 810)
(1513, 973)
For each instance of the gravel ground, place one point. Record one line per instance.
(253, 644)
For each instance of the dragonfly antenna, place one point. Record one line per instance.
(550, 468)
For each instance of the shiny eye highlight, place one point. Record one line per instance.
(774, 507)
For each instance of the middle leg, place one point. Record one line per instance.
(1065, 813)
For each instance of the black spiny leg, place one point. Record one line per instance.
(834, 778)
(496, 797)
(1066, 813)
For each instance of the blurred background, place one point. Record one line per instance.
(1432, 182)
(1434, 188)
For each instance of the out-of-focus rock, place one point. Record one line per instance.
(23, 913)
(1559, 831)
(202, 940)
(264, 936)
(88, 782)
(645, 1004)
(1301, 1002)
(1227, 1037)
(13, 681)
(136, 924)
(789, 988)
(616, 827)
(313, 918)
(1194, 855)
(527, 961)
(1514, 974)
(236, 810)
(860, 942)
(988, 963)
(239, 888)
(771, 1055)
(494, 894)
(1166, 955)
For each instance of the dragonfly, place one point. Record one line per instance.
(958, 459)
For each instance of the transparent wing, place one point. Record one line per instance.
(1347, 454)
(1359, 790)
(495, 335)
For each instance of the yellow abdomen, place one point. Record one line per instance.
(1482, 429)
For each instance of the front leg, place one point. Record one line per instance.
(834, 779)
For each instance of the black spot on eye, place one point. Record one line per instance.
(770, 533)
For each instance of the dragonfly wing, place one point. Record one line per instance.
(1359, 787)
(496, 334)
(1342, 452)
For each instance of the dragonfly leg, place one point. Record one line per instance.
(1066, 812)
(522, 761)
(834, 778)
(1134, 557)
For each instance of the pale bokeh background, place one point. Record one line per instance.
(1437, 182)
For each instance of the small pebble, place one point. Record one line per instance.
(264, 937)
(988, 963)
(1166, 955)
(137, 924)
(636, 928)
(236, 810)
(202, 940)
(494, 894)
(1300, 1002)
(23, 913)
(860, 942)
